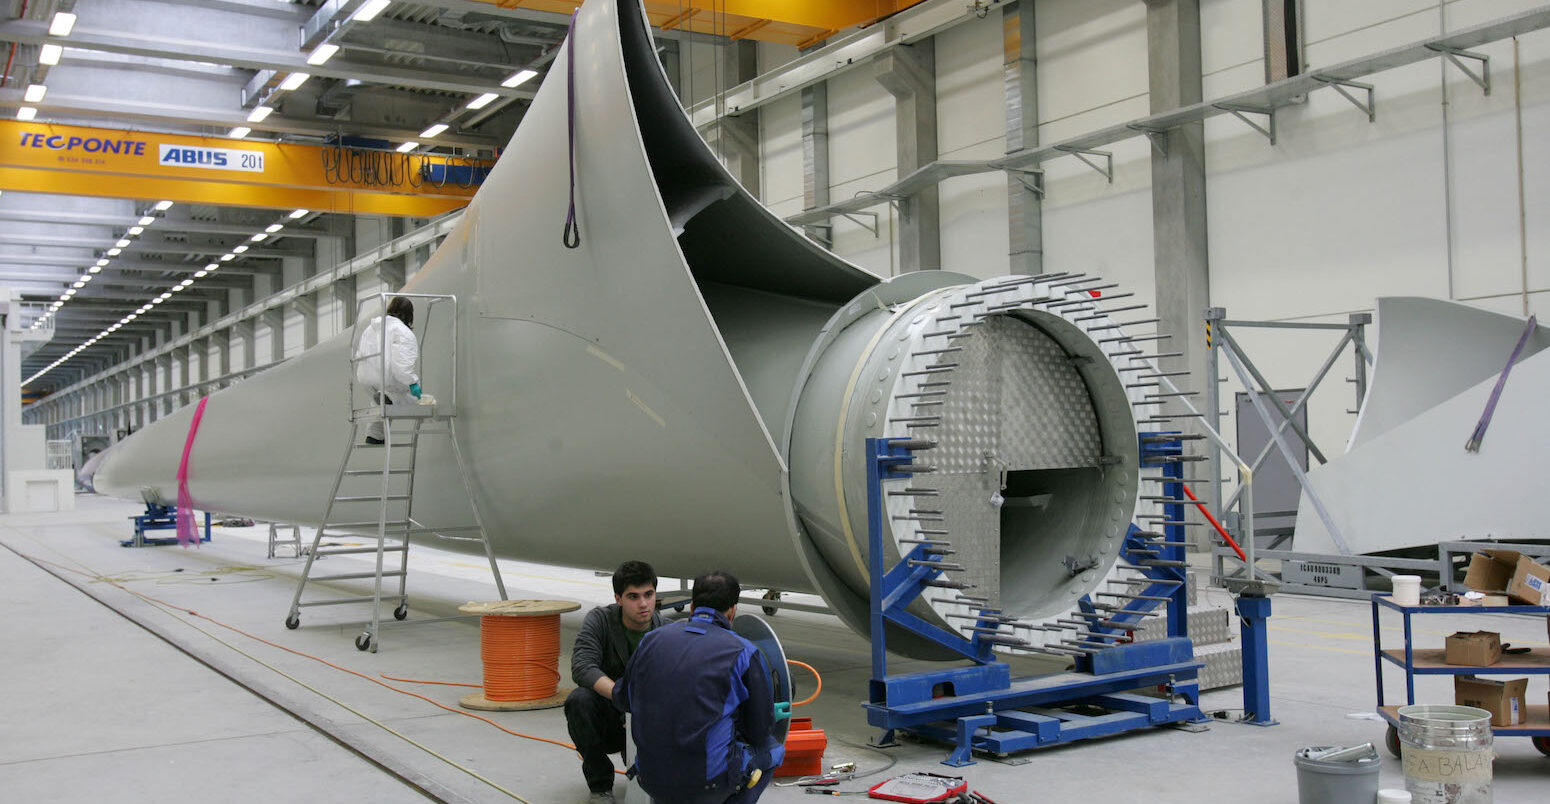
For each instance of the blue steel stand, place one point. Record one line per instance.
(1255, 611)
(979, 706)
(159, 517)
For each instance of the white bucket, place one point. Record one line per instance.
(1447, 754)
(1407, 590)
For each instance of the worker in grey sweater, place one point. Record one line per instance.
(608, 637)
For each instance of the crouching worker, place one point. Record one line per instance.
(390, 374)
(608, 636)
(702, 710)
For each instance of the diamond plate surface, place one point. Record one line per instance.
(1016, 396)
(975, 528)
(1224, 666)
(1208, 625)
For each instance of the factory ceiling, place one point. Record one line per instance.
(401, 86)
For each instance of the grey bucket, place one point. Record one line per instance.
(1447, 753)
(1322, 781)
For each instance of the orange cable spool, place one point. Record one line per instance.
(519, 644)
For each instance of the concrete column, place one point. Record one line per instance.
(1179, 243)
(815, 154)
(1025, 206)
(248, 334)
(274, 320)
(344, 292)
(307, 309)
(908, 72)
(735, 138)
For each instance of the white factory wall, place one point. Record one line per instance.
(1338, 212)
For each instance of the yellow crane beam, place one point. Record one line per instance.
(791, 22)
(117, 163)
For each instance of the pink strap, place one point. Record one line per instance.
(188, 532)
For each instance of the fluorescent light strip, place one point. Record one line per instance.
(294, 80)
(433, 131)
(26, 113)
(408, 146)
(519, 78)
(239, 132)
(49, 54)
(482, 101)
(322, 53)
(370, 10)
(162, 206)
(62, 24)
(259, 113)
(34, 93)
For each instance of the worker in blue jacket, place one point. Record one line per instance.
(701, 706)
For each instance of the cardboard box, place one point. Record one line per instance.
(1518, 575)
(1503, 699)
(1474, 648)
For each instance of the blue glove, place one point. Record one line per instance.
(415, 389)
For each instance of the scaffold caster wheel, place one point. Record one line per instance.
(363, 642)
(1391, 741)
(769, 611)
(292, 621)
(1542, 744)
(401, 612)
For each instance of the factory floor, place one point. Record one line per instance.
(115, 691)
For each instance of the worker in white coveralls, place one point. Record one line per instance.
(403, 352)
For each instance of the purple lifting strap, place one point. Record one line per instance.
(572, 234)
(1473, 444)
(188, 532)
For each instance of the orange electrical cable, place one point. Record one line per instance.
(809, 668)
(521, 656)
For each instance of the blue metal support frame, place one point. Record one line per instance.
(159, 517)
(1255, 613)
(1158, 449)
(979, 706)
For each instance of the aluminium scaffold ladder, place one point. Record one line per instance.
(362, 488)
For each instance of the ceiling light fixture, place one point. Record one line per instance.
(34, 93)
(212, 266)
(408, 146)
(519, 78)
(482, 101)
(102, 263)
(322, 53)
(433, 131)
(274, 227)
(201, 274)
(228, 257)
(134, 230)
(260, 237)
(294, 80)
(370, 10)
(162, 206)
(26, 113)
(239, 249)
(115, 251)
(49, 54)
(78, 284)
(121, 244)
(297, 214)
(62, 24)
(95, 269)
(185, 283)
(238, 133)
(259, 113)
(147, 220)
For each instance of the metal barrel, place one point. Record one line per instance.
(1446, 751)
